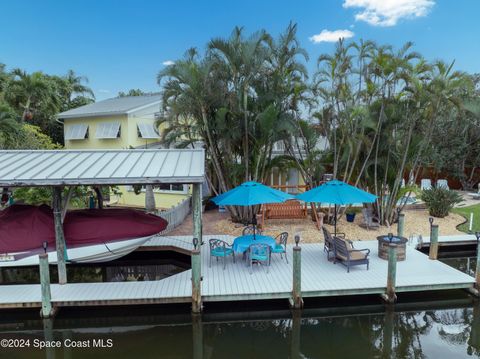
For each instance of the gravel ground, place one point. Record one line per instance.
(416, 222)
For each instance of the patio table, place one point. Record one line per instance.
(241, 244)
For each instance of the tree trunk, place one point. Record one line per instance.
(150, 206)
(99, 194)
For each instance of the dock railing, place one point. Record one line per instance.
(176, 215)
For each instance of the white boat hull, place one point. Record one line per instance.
(89, 254)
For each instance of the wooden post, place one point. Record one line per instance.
(197, 331)
(401, 224)
(296, 301)
(196, 277)
(59, 235)
(433, 253)
(197, 212)
(47, 310)
(390, 296)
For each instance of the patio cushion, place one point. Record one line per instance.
(220, 252)
(260, 257)
(278, 249)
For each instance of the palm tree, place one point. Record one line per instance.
(71, 86)
(29, 92)
(242, 60)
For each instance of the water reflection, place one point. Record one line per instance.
(418, 334)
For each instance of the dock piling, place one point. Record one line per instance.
(390, 296)
(196, 278)
(477, 269)
(296, 301)
(433, 252)
(47, 309)
(401, 224)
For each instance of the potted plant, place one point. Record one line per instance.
(350, 213)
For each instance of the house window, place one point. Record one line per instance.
(78, 131)
(147, 131)
(167, 188)
(108, 130)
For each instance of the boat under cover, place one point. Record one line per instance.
(91, 235)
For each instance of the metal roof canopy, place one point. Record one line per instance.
(34, 168)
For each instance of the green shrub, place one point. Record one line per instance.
(440, 201)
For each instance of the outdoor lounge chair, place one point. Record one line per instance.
(220, 249)
(369, 219)
(281, 246)
(259, 253)
(328, 241)
(442, 183)
(425, 183)
(349, 256)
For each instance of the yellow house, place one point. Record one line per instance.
(121, 122)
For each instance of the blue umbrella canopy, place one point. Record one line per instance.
(251, 194)
(337, 192)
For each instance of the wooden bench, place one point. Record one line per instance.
(291, 209)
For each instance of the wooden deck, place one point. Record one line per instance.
(319, 278)
(453, 240)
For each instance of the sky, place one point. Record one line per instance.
(123, 44)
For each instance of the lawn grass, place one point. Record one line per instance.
(465, 212)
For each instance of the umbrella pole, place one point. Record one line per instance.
(335, 221)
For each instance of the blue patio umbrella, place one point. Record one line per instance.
(251, 194)
(337, 193)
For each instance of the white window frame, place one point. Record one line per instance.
(76, 127)
(164, 191)
(149, 136)
(101, 129)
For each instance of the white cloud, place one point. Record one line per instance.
(168, 63)
(331, 36)
(103, 91)
(388, 12)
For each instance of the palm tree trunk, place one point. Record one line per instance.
(150, 206)
(245, 123)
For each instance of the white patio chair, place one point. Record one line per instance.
(442, 183)
(425, 183)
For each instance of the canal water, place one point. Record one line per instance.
(430, 325)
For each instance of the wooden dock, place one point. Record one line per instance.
(320, 278)
(453, 240)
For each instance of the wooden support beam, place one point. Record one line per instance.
(59, 235)
(197, 331)
(47, 309)
(433, 253)
(197, 244)
(197, 212)
(66, 201)
(196, 279)
(401, 224)
(296, 301)
(390, 295)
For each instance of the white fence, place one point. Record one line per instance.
(176, 215)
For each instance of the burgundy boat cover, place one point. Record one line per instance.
(25, 227)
